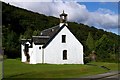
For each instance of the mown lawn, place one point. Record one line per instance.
(13, 68)
(0, 70)
(1, 66)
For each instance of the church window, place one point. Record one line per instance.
(63, 38)
(65, 55)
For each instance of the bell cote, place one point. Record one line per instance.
(63, 18)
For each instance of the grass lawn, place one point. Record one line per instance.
(14, 68)
(1, 66)
(0, 70)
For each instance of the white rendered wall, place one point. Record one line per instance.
(36, 54)
(23, 59)
(53, 53)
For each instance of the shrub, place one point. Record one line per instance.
(87, 60)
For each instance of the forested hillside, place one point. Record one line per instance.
(19, 23)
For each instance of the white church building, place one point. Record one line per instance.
(56, 45)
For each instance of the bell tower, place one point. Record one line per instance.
(63, 19)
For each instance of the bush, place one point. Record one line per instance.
(4, 56)
(87, 60)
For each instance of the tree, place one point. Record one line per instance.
(36, 33)
(100, 41)
(90, 42)
(106, 49)
(28, 33)
(101, 46)
(91, 46)
(10, 49)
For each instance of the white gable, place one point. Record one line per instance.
(54, 51)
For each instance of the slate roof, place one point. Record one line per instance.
(50, 32)
(39, 40)
(53, 33)
(45, 37)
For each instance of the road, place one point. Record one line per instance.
(113, 77)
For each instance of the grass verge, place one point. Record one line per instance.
(13, 68)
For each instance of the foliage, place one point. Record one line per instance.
(90, 42)
(103, 48)
(20, 23)
(99, 41)
(87, 60)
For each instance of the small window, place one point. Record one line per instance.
(65, 55)
(39, 47)
(63, 38)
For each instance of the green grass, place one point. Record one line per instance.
(15, 69)
(0, 70)
(1, 66)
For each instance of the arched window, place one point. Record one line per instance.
(64, 54)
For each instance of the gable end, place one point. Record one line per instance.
(54, 35)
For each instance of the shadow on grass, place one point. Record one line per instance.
(13, 77)
(98, 66)
(45, 79)
(19, 74)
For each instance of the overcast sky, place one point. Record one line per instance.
(102, 15)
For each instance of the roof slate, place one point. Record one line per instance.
(50, 32)
(53, 35)
(39, 40)
(46, 36)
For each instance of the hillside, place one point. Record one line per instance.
(20, 23)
